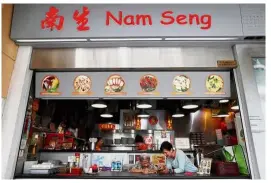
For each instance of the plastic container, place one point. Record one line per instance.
(76, 171)
(43, 171)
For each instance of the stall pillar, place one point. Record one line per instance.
(14, 110)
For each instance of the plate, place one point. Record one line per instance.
(148, 83)
(214, 83)
(181, 83)
(114, 84)
(82, 84)
(50, 84)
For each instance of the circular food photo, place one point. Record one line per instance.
(214, 83)
(181, 83)
(115, 83)
(82, 84)
(148, 83)
(50, 84)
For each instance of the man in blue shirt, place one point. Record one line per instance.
(177, 161)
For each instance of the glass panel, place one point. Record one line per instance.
(259, 71)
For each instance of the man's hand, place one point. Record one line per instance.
(165, 171)
(135, 170)
(145, 171)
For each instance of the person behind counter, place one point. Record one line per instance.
(140, 145)
(144, 165)
(99, 144)
(176, 160)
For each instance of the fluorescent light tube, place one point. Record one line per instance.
(126, 39)
(236, 107)
(201, 39)
(223, 101)
(190, 106)
(106, 115)
(177, 115)
(50, 40)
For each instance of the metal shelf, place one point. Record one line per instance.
(120, 145)
(49, 131)
(134, 131)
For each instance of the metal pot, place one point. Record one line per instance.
(131, 141)
(124, 140)
(109, 141)
(117, 141)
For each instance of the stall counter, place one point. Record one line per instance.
(128, 175)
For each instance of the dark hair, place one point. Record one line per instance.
(166, 145)
(99, 138)
(139, 139)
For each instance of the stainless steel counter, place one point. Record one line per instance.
(128, 175)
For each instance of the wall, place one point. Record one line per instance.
(9, 49)
(199, 121)
(130, 57)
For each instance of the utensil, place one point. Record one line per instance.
(71, 165)
(199, 157)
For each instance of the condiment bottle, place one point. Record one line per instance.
(77, 159)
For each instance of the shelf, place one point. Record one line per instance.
(103, 151)
(67, 136)
(134, 131)
(120, 145)
(209, 145)
(62, 150)
(42, 130)
(49, 131)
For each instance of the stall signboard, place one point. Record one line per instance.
(77, 21)
(133, 84)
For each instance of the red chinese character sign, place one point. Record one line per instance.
(52, 20)
(81, 19)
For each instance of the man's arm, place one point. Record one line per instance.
(168, 164)
(181, 161)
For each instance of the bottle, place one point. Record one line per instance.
(86, 146)
(199, 157)
(77, 159)
(114, 164)
(76, 133)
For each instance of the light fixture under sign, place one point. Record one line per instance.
(223, 101)
(143, 105)
(99, 104)
(222, 113)
(106, 114)
(125, 39)
(178, 114)
(50, 40)
(200, 39)
(190, 106)
(235, 105)
(143, 114)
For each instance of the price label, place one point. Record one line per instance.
(227, 63)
